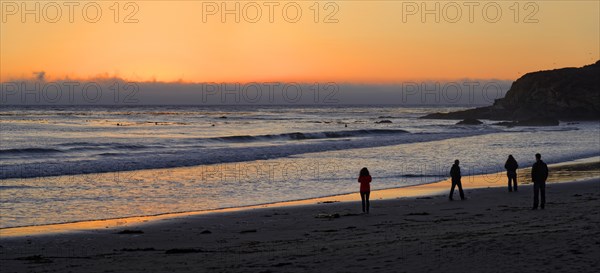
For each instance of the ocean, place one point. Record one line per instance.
(74, 163)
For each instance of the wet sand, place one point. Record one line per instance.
(561, 172)
(413, 229)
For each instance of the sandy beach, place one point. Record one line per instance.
(492, 231)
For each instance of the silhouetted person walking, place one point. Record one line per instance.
(539, 174)
(364, 179)
(455, 174)
(511, 167)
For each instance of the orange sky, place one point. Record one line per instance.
(369, 43)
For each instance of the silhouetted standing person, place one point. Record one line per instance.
(511, 167)
(455, 174)
(539, 174)
(364, 179)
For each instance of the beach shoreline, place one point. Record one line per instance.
(568, 171)
(492, 231)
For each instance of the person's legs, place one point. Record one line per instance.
(367, 194)
(460, 190)
(362, 198)
(515, 182)
(509, 184)
(543, 193)
(452, 188)
(536, 188)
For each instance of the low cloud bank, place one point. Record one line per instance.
(117, 91)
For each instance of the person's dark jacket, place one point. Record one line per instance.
(511, 166)
(539, 171)
(455, 171)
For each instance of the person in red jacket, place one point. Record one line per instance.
(364, 179)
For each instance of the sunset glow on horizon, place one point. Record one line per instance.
(353, 41)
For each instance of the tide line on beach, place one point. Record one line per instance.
(561, 172)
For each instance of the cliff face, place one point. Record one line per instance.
(564, 94)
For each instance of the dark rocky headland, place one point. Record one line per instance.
(543, 98)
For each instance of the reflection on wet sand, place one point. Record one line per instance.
(562, 172)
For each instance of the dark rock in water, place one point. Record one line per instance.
(384, 121)
(540, 121)
(543, 121)
(223, 117)
(506, 123)
(469, 121)
(562, 94)
(206, 231)
(475, 113)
